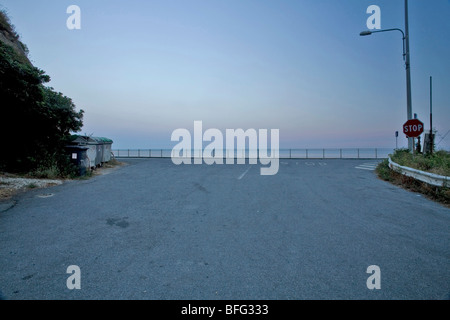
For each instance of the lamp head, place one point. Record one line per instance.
(365, 33)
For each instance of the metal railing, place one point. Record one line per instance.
(427, 177)
(315, 153)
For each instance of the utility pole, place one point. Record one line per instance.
(408, 76)
(407, 57)
(431, 115)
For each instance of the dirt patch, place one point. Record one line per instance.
(6, 193)
(11, 185)
(109, 167)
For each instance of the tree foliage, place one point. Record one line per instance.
(35, 121)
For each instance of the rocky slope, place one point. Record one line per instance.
(10, 37)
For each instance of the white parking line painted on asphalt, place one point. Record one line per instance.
(242, 175)
(367, 166)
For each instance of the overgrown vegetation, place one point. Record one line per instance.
(36, 120)
(112, 163)
(32, 186)
(6, 25)
(438, 163)
(68, 170)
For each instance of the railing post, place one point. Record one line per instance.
(376, 153)
(340, 153)
(323, 154)
(306, 153)
(128, 153)
(358, 153)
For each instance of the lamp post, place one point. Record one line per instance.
(406, 58)
(431, 140)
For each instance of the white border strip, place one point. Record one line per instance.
(430, 178)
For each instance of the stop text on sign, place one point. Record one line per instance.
(413, 128)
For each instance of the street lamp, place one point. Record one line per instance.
(369, 32)
(406, 58)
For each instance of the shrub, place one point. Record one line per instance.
(437, 163)
(383, 170)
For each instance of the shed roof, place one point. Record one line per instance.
(78, 139)
(103, 139)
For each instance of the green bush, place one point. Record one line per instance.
(383, 170)
(45, 173)
(44, 118)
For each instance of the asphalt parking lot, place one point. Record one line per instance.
(154, 230)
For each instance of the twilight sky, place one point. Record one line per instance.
(141, 69)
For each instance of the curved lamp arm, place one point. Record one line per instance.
(369, 32)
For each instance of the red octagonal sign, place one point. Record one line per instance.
(413, 128)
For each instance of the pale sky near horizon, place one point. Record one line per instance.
(141, 69)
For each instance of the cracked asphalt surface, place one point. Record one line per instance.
(153, 230)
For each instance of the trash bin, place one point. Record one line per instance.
(99, 151)
(78, 156)
(94, 151)
(106, 144)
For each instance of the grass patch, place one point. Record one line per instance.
(438, 194)
(89, 173)
(45, 173)
(437, 163)
(112, 163)
(32, 186)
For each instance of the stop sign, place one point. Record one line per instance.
(413, 128)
